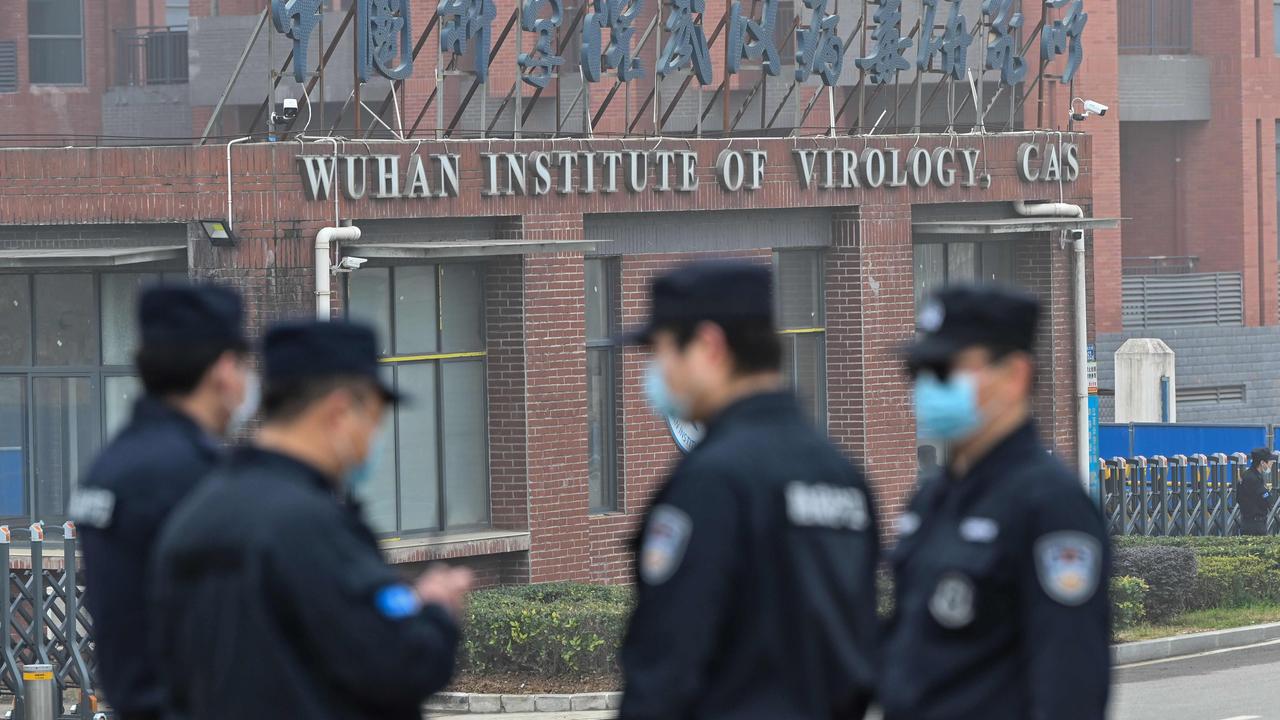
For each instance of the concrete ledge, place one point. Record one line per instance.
(465, 703)
(454, 545)
(1164, 648)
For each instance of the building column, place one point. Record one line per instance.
(870, 301)
(1043, 267)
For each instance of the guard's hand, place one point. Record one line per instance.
(446, 586)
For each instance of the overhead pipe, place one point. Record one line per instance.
(325, 240)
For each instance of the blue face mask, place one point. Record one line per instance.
(359, 476)
(947, 410)
(659, 395)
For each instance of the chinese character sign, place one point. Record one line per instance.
(616, 16)
(1056, 36)
(818, 49)
(952, 46)
(1002, 46)
(465, 21)
(383, 39)
(296, 19)
(751, 40)
(539, 64)
(886, 59)
(687, 45)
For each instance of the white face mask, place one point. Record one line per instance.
(248, 406)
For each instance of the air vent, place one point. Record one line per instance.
(1211, 395)
(8, 67)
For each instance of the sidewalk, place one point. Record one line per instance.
(601, 715)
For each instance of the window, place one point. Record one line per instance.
(55, 29)
(66, 380)
(602, 388)
(177, 12)
(798, 277)
(433, 473)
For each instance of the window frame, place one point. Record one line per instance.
(791, 336)
(604, 347)
(33, 37)
(437, 360)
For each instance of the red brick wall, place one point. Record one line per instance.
(505, 364)
(1044, 267)
(1152, 175)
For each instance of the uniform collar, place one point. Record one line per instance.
(278, 464)
(766, 405)
(150, 410)
(1006, 451)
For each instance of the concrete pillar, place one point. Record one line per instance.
(1141, 366)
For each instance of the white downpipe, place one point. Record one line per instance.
(231, 218)
(1081, 300)
(324, 264)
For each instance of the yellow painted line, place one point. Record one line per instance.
(437, 356)
(802, 331)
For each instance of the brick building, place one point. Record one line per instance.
(497, 268)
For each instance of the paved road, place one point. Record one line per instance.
(1241, 684)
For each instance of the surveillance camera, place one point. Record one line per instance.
(1092, 107)
(287, 113)
(348, 263)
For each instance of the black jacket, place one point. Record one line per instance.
(1001, 605)
(756, 588)
(1252, 495)
(119, 509)
(270, 603)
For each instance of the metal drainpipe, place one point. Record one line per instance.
(324, 265)
(1060, 209)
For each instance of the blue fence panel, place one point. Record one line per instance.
(1113, 440)
(1150, 439)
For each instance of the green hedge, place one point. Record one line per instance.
(1232, 581)
(1169, 573)
(1128, 601)
(550, 630)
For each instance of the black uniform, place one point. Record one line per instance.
(1255, 502)
(1001, 609)
(130, 489)
(756, 586)
(273, 601)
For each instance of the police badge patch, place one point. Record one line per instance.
(1069, 565)
(665, 538)
(952, 601)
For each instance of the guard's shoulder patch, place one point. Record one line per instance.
(666, 536)
(396, 602)
(1069, 566)
(92, 507)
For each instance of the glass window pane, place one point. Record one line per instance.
(930, 270)
(369, 302)
(601, 428)
(53, 17)
(56, 61)
(417, 323)
(66, 320)
(997, 262)
(810, 375)
(121, 393)
(962, 263)
(463, 308)
(15, 320)
(13, 446)
(466, 469)
(66, 437)
(799, 289)
(120, 293)
(418, 440)
(597, 287)
(378, 496)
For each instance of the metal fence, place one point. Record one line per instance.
(45, 622)
(1155, 27)
(1178, 495)
(151, 56)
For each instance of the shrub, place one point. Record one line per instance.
(1231, 581)
(552, 630)
(1169, 573)
(1128, 595)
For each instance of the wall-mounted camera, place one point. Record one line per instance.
(287, 113)
(1087, 108)
(349, 263)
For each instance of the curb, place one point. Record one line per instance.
(465, 703)
(1165, 648)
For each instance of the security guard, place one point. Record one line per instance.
(1252, 495)
(756, 562)
(192, 362)
(1001, 562)
(272, 598)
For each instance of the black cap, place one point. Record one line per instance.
(720, 291)
(186, 315)
(314, 349)
(962, 317)
(1259, 455)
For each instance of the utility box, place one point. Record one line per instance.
(1146, 389)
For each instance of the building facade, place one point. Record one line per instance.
(509, 233)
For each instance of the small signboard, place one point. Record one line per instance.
(686, 434)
